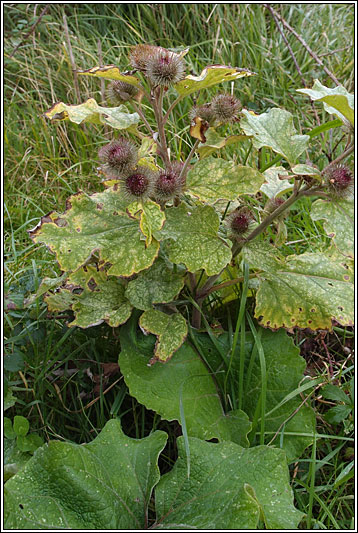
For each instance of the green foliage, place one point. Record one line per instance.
(163, 258)
(84, 487)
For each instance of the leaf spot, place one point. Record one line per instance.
(346, 277)
(313, 310)
(91, 284)
(99, 206)
(78, 230)
(340, 308)
(61, 222)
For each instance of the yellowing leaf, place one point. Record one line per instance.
(110, 72)
(151, 218)
(117, 117)
(96, 224)
(211, 75)
(212, 179)
(170, 329)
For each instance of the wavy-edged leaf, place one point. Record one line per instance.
(285, 371)
(274, 186)
(118, 118)
(151, 218)
(93, 297)
(211, 75)
(183, 381)
(193, 239)
(96, 224)
(338, 216)
(215, 142)
(171, 331)
(305, 291)
(275, 130)
(110, 72)
(213, 179)
(337, 101)
(158, 284)
(106, 484)
(229, 487)
(306, 170)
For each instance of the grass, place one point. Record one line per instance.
(64, 387)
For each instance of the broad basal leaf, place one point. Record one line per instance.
(183, 380)
(337, 101)
(275, 130)
(96, 224)
(211, 75)
(274, 186)
(338, 216)
(193, 239)
(285, 372)
(117, 117)
(171, 331)
(229, 488)
(309, 290)
(110, 72)
(212, 179)
(105, 484)
(151, 218)
(158, 284)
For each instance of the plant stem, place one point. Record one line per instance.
(171, 107)
(343, 155)
(158, 110)
(188, 159)
(142, 116)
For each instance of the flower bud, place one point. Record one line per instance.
(205, 112)
(169, 182)
(339, 180)
(240, 222)
(119, 92)
(119, 157)
(165, 68)
(272, 204)
(139, 184)
(139, 55)
(225, 107)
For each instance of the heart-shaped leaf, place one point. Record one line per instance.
(181, 387)
(305, 291)
(193, 239)
(275, 130)
(211, 75)
(337, 101)
(158, 284)
(96, 224)
(229, 488)
(212, 179)
(106, 484)
(110, 72)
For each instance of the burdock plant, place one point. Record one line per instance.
(186, 213)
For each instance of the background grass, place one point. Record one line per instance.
(62, 387)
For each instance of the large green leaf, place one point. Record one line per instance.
(215, 142)
(305, 291)
(338, 216)
(110, 72)
(213, 179)
(116, 117)
(96, 224)
(183, 381)
(285, 371)
(337, 101)
(210, 76)
(105, 484)
(171, 331)
(193, 239)
(158, 284)
(275, 130)
(274, 186)
(229, 487)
